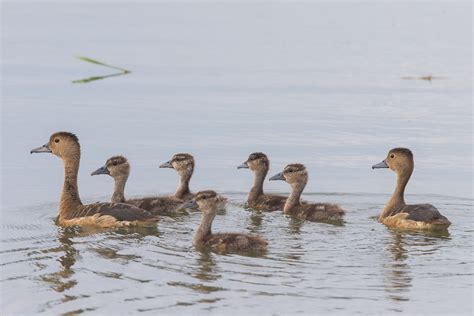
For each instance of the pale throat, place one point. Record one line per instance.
(184, 179)
(205, 228)
(119, 189)
(295, 195)
(259, 178)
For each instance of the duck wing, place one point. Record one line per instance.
(422, 212)
(235, 241)
(157, 205)
(120, 211)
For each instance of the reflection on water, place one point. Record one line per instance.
(294, 225)
(61, 280)
(399, 278)
(94, 78)
(206, 267)
(313, 263)
(256, 219)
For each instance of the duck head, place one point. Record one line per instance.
(293, 174)
(255, 162)
(116, 166)
(206, 201)
(399, 160)
(65, 145)
(183, 163)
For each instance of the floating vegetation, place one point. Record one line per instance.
(93, 78)
(427, 78)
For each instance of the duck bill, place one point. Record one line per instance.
(278, 176)
(167, 164)
(190, 204)
(380, 165)
(244, 165)
(43, 149)
(101, 170)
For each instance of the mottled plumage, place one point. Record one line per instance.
(208, 201)
(297, 176)
(234, 242)
(267, 202)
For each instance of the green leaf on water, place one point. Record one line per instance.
(93, 78)
(93, 61)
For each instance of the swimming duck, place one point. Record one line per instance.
(297, 176)
(208, 203)
(119, 169)
(258, 162)
(66, 146)
(398, 214)
(183, 163)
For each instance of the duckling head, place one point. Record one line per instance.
(183, 163)
(293, 174)
(65, 145)
(116, 167)
(207, 201)
(256, 161)
(399, 160)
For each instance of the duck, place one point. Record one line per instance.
(208, 203)
(259, 163)
(297, 176)
(118, 168)
(397, 213)
(72, 212)
(183, 163)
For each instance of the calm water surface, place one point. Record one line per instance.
(314, 83)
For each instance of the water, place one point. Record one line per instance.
(314, 83)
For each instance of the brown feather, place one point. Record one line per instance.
(235, 242)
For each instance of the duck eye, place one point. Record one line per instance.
(392, 156)
(114, 163)
(56, 140)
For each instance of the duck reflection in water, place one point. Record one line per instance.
(398, 279)
(206, 266)
(62, 280)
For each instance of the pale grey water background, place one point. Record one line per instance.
(317, 83)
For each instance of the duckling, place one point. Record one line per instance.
(258, 162)
(183, 163)
(398, 214)
(72, 212)
(119, 169)
(297, 176)
(208, 202)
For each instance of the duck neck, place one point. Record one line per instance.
(397, 200)
(294, 199)
(119, 189)
(70, 199)
(204, 229)
(183, 187)
(257, 188)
